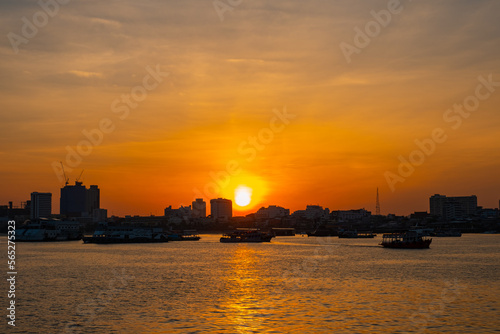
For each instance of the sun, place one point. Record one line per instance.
(247, 191)
(243, 196)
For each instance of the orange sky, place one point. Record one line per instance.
(226, 81)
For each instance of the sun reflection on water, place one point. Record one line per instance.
(245, 295)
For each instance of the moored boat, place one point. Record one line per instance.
(107, 234)
(356, 235)
(49, 230)
(188, 235)
(323, 232)
(447, 233)
(409, 240)
(246, 236)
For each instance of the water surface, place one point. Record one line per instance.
(291, 285)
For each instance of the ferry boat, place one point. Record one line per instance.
(410, 240)
(190, 237)
(356, 235)
(187, 235)
(49, 230)
(108, 234)
(246, 236)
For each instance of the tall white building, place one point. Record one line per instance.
(41, 205)
(221, 208)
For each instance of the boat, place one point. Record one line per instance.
(283, 231)
(45, 229)
(356, 235)
(410, 240)
(447, 233)
(323, 232)
(188, 235)
(246, 236)
(118, 234)
(423, 231)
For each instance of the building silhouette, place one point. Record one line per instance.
(457, 207)
(93, 199)
(221, 209)
(41, 205)
(351, 215)
(312, 212)
(181, 212)
(199, 208)
(78, 201)
(271, 212)
(22, 212)
(99, 215)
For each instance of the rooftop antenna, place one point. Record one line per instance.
(377, 205)
(66, 179)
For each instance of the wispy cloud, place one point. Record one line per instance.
(85, 74)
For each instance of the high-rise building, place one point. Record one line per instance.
(41, 205)
(93, 199)
(221, 208)
(436, 204)
(78, 201)
(199, 208)
(453, 207)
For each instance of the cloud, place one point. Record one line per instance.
(84, 74)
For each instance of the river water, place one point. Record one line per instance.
(291, 285)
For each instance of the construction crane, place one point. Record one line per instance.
(66, 179)
(78, 179)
